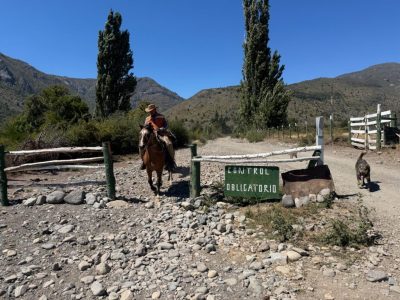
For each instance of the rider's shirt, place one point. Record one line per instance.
(157, 119)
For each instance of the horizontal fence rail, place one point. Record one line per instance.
(59, 164)
(368, 132)
(259, 158)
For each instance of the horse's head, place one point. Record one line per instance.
(144, 135)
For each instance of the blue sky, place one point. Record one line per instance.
(190, 45)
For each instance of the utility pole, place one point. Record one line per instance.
(331, 117)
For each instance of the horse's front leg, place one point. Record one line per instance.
(150, 180)
(170, 177)
(159, 181)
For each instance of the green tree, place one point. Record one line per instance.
(115, 84)
(264, 97)
(53, 106)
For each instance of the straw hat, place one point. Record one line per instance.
(150, 107)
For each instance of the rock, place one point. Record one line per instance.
(313, 197)
(11, 253)
(187, 205)
(301, 201)
(285, 270)
(29, 201)
(103, 268)
(329, 272)
(165, 246)
(66, 229)
(87, 279)
(277, 258)
(287, 201)
(40, 201)
(201, 290)
(375, 275)
(149, 205)
(20, 290)
(325, 192)
(43, 297)
(48, 246)
(231, 281)
(328, 296)
(210, 247)
(97, 289)
(156, 295)
(255, 285)
(90, 199)
(75, 197)
(140, 250)
(394, 289)
(84, 265)
(126, 295)
(118, 204)
(302, 252)
(263, 247)
(56, 197)
(201, 267)
(293, 255)
(212, 274)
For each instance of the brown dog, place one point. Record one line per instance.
(363, 171)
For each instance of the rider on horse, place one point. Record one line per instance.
(160, 125)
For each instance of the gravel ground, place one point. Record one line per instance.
(176, 247)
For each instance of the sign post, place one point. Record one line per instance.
(261, 182)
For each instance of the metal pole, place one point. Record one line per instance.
(3, 178)
(194, 173)
(378, 128)
(290, 132)
(109, 169)
(308, 141)
(319, 137)
(297, 130)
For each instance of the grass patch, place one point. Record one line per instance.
(341, 224)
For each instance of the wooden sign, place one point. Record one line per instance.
(260, 182)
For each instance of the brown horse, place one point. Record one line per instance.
(154, 156)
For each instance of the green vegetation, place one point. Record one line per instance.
(264, 97)
(115, 84)
(345, 226)
(55, 118)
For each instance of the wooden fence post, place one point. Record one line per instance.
(378, 128)
(393, 122)
(297, 130)
(3, 178)
(282, 132)
(194, 173)
(331, 128)
(319, 138)
(290, 132)
(308, 141)
(349, 128)
(109, 169)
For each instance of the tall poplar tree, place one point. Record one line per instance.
(115, 84)
(264, 97)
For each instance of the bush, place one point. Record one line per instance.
(180, 132)
(255, 135)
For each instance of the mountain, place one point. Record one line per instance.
(19, 80)
(353, 94)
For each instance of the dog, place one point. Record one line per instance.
(363, 171)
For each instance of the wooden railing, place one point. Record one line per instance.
(58, 165)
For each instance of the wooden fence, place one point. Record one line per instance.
(260, 158)
(368, 132)
(58, 165)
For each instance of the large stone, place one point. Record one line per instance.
(66, 229)
(126, 295)
(20, 291)
(375, 275)
(287, 201)
(97, 289)
(118, 204)
(56, 197)
(29, 201)
(90, 198)
(103, 268)
(293, 255)
(75, 197)
(40, 201)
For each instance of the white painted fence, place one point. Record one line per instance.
(367, 132)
